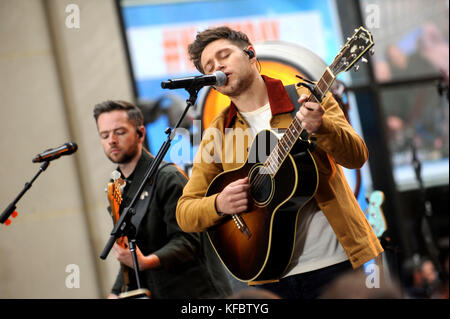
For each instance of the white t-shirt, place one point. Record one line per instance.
(316, 244)
(258, 119)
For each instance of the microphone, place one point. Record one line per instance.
(217, 78)
(51, 154)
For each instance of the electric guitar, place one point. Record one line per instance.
(374, 213)
(114, 191)
(257, 245)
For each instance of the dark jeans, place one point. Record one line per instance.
(308, 285)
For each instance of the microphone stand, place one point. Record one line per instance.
(124, 227)
(12, 207)
(424, 223)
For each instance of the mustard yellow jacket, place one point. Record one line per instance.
(337, 145)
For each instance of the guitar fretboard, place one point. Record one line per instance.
(285, 144)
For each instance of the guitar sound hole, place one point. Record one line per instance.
(261, 184)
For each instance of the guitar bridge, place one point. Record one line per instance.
(240, 224)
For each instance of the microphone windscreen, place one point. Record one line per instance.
(221, 78)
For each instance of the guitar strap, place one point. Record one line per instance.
(293, 96)
(146, 195)
(146, 198)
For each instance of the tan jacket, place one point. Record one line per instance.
(337, 145)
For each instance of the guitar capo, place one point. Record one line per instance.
(310, 85)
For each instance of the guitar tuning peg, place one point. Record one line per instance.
(364, 60)
(356, 30)
(372, 51)
(356, 68)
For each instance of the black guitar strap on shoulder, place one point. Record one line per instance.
(145, 199)
(293, 96)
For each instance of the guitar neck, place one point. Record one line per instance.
(293, 132)
(353, 50)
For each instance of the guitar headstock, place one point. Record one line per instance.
(119, 183)
(114, 194)
(353, 50)
(375, 215)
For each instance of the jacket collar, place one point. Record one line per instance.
(278, 98)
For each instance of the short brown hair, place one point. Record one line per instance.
(207, 36)
(134, 113)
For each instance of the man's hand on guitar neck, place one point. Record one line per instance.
(145, 262)
(233, 199)
(310, 114)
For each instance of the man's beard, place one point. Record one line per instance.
(239, 86)
(126, 157)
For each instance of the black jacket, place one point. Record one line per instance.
(189, 266)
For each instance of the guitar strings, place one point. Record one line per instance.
(257, 182)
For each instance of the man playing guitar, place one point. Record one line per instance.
(172, 263)
(331, 234)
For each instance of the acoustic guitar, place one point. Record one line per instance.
(257, 245)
